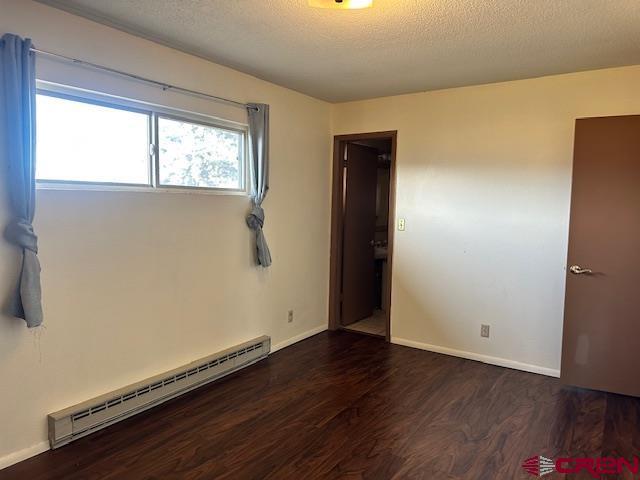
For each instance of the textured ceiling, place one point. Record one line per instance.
(398, 46)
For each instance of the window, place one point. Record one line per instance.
(88, 141)
(196, 155)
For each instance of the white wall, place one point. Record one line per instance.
(484, 185)
(138, 283)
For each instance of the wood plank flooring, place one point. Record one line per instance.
(350, 406)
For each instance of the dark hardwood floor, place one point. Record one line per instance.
(343, 405)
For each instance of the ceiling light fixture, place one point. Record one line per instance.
(341, 4)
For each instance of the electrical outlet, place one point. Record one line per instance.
(401, 224)
(484, 331)
(290, 317)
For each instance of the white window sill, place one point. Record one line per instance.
(93, 187)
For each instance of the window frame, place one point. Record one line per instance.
(156, 145)
(154, 112)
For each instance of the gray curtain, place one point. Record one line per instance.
(259, 175)
(17, 146)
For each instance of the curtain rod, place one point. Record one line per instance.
(162, 85)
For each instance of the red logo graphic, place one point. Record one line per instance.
(538, 466)
(596, 466)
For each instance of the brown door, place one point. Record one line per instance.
(601, 339)
(358, 274)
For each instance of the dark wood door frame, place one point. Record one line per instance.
(335, 277)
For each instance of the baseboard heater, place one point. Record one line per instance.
(87, 417)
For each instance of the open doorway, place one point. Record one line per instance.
(362, 228)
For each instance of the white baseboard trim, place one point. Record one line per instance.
(29, 452)
(501, 362)
(23, 454)
(298, 338)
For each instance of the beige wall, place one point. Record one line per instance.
(138, 283)
(484, 185)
